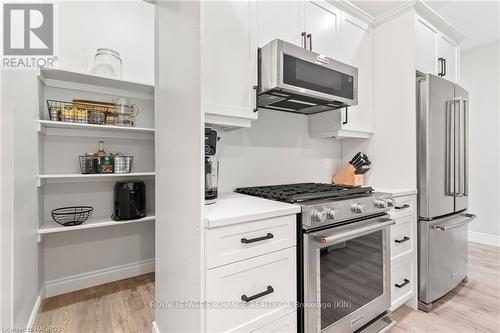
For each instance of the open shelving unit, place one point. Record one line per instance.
(60, 142)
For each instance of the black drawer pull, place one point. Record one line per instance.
(245, 298)
(405, 239)
(258, 239)
(402, 284)
(403, 206)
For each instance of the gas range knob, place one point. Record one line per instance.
(318, 215)
(390, 202)
(357, 208)
(332, 213)
(380, 203)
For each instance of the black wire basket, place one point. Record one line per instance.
(70, 216)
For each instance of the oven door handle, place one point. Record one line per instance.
(342, 234)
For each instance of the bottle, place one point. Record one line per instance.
(101, 152)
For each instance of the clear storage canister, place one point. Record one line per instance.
(108, 63)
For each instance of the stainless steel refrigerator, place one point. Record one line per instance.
(443, 186)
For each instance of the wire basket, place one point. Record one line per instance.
(69, 216)
(89, 164)
(123, 164)
(83, 112)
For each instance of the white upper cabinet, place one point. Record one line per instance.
(447, 58)
(435, 52)
(426, 48)
(279, 19)
(322, 25)
(229, 62)
(356, 46)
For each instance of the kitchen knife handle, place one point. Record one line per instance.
(257, 239)
(406, 281)
(247, 299)
(346, 119)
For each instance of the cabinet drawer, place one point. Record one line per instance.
(237, 242)
(269, 278)
(287, 324)
(402, 237)
(403, 206)
(402, 282)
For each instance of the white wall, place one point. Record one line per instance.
(480, 75)
(124, 26)
(277, 149)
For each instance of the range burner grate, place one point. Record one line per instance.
(301, 192)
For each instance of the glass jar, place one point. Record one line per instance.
(107, 63)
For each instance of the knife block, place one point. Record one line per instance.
(346, 176)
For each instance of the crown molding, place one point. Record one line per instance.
(353, 10)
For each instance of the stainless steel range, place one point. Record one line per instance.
(343, 255)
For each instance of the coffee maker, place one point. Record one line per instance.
(211, 166)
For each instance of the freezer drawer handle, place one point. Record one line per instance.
(257, 239)
(405, 239)
(403, 206)
(247, 299)
(406, 281)
(470, 218)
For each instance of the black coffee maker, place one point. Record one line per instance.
(130, 200)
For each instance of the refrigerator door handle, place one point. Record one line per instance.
(458, 147)
(450, 166)
(446, 227)
(466, 148)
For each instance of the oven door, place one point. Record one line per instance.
(346, 275)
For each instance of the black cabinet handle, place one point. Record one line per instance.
(403, 206)
(405, 239)
(310, 41)
(304, 39)
(256, 98)
(268, 291)
(444, 66)
(441, 67)
(257, 239)
(346, 120)
(402, 284)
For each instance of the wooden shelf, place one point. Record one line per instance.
(51, 227)
(77, 177)
(69, 79)
(50, 127)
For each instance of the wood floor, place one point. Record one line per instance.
(124, 306)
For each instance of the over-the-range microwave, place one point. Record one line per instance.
(295, 79)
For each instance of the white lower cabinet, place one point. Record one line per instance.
(403, 282)
(243, 296)
(403, 247)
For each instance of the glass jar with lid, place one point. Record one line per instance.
(107, 63)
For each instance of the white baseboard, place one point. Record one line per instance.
(478, 237)
(154, 328)
(34, 313)
(95, 278)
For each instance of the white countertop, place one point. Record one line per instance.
(396, 192)
(232, 208)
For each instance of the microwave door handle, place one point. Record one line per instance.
(327, 239)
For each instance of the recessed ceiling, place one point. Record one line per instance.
(478, 21)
